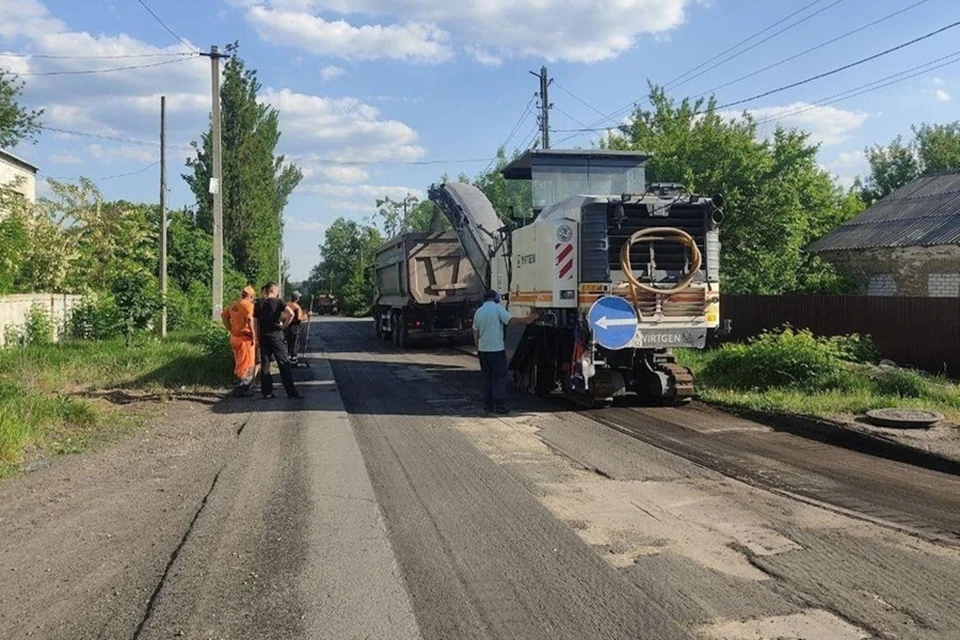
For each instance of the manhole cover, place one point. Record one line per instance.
(904, 418)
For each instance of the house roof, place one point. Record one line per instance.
(20, 162)
(923, 213)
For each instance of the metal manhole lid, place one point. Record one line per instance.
(904, 418)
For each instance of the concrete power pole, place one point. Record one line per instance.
(545, 105)
(216, 184)
(163, 213)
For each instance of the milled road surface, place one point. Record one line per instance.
(387, 506)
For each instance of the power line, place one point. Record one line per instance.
(83, 72)
(43, 56)
(100, 136)
(743, 42)
(837, 70)
(163, 24)
(569, 116)
(579, 99)
(812, 49)
(101, 179)
(635, 103)
(513, 132)
(756, 44)
(880, 83)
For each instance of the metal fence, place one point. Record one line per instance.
(917, 332)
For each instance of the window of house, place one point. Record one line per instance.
(881, 284)
(943, 285)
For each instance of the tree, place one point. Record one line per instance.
(256, 183)
(347, 265)
(506, 196)
(778, 199)
(395, 215)
(935, 148)
(891, 167)
(16, 122)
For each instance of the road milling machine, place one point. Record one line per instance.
(620, 273)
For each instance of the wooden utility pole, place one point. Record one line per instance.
(216, 184)
(545, 105)
(163, 214)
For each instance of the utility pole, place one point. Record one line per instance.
(216, 182)
(545, 105)
(163, 214)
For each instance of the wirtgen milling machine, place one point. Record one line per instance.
(620, 274)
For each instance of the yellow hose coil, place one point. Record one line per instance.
(666, 234)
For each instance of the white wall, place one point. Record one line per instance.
(14, 310)
(10, 172)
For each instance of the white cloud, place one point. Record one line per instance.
(14, 63)
(571, 30)
(483, 56)
(826, 125)
(847, 166)
(347, 129)
(65, 158)
(411, 41)
(331, 72)
(303, 226)
(123, 152)
(941, 96)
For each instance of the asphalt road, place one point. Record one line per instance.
(386, 505)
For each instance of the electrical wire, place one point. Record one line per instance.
(513, 132)
(164, 25)
(101, 179)
(83, 72)
(43, 56)
(840, 69)
(579, 99)
(811, 49)
(568, 115)
(754, 45)
(100, 136)
(743, 42)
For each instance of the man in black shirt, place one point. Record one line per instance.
(272, 316)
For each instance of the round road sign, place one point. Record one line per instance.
(613, 322)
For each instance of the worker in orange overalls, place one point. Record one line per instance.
(238, 319)
(292, 332)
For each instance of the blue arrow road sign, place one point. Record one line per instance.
(613, 322)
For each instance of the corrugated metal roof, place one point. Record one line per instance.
(924, 213)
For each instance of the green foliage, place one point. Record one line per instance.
(934, 148)
(506, 196)
(14, 242)
(39, 327)
(214, 339)
(786, 358)
(778, 197)
(891, 167)
(16, 122)
(794, 372)
(256, 184)
(347, 266)
(901, 382)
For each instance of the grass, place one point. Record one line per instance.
(793, 372)
(42, 408)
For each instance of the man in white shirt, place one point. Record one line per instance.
(488, 326)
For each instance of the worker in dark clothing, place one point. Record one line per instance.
(273, 315)
(292, 332)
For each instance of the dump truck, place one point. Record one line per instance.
(620, 273)
(325, 304)
(427, 289)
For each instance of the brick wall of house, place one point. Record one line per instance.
(908, 271)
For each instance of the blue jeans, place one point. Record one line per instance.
(493, 364)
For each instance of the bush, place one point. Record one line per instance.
(39, 327)
(855, 348)
(787, 358)
(901, 382)
(215, 339)
(95, 319)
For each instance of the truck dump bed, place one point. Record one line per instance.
(425, 269)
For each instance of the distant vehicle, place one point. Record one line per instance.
(426, 289)
(325, 304)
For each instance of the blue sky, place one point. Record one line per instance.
(364, 87)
